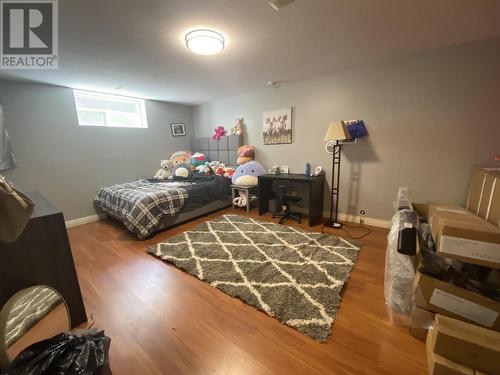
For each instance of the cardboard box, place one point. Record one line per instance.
(439, 365)
(420, 321)
(446, 208)
(447, 299)
(468, 344)
(475, 189)
(489, 185)
(422, 210)
(483, 197)
(466, 237)
(493, 214)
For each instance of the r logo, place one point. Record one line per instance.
(29, 34)
(27, 28)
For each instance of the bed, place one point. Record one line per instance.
(147, 206)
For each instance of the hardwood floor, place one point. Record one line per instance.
(164, 321)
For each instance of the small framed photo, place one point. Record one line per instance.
(178, 129)
(283, 168)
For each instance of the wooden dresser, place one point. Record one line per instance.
(42, 256)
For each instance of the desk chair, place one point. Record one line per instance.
(283, 200)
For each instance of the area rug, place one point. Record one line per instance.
(31, 307)
(291, 275)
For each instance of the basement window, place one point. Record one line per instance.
(113, 111)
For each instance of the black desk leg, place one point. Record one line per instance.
(264, 195)
(316, 201)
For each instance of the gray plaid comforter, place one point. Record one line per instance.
(141, 205)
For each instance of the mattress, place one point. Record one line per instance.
(146, 206)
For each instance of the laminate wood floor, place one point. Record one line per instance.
(164, 321)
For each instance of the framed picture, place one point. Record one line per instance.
(178, 129)
(277, 126)
(284, 169)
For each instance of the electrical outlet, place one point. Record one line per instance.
(362, 216)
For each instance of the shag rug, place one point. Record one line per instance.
(29, 310)
(291, 275)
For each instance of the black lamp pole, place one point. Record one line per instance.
(337, 152)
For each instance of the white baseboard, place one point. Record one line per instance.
(368, 220)
(343, 217)
(82, 220)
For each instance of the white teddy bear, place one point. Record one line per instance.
(165, 171)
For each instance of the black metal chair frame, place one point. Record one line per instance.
(280, 187)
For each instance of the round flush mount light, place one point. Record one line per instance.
(205, 42)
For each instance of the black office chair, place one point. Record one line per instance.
(283, 202)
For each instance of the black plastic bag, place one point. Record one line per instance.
(81, 352)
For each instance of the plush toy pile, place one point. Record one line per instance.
(182, 164)
(215, 168)
(169, 167)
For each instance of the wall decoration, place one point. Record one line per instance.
(284, 169)
(178, 129)
(277, 126)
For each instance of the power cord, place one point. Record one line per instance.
(368, 231)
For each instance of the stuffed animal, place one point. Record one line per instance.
(181, 172)
(237, 129)
(228, 172)
(165, 171)
(205, 169)
(245, 154)
(180, 157)
(246, 174)
(218, 132)
(198, 159)
(220, 170)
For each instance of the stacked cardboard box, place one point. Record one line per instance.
(437, 296)
(455, 347)
(484, 194)
(476, 242)
(461, 235)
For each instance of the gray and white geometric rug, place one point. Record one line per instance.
(31, 307)
(291, 275)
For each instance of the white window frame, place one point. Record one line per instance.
(118, 98)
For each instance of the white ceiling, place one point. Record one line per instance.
(139, 44)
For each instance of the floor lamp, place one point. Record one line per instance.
(337, 131)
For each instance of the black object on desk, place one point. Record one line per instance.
(42, 256)
(315, 183)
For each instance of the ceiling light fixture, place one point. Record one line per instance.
(205, 42)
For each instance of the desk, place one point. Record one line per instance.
(42, 256)
(315, 183)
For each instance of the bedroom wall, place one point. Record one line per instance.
(431, 117)
(68, 163)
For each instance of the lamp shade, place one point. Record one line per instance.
(337, 131)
